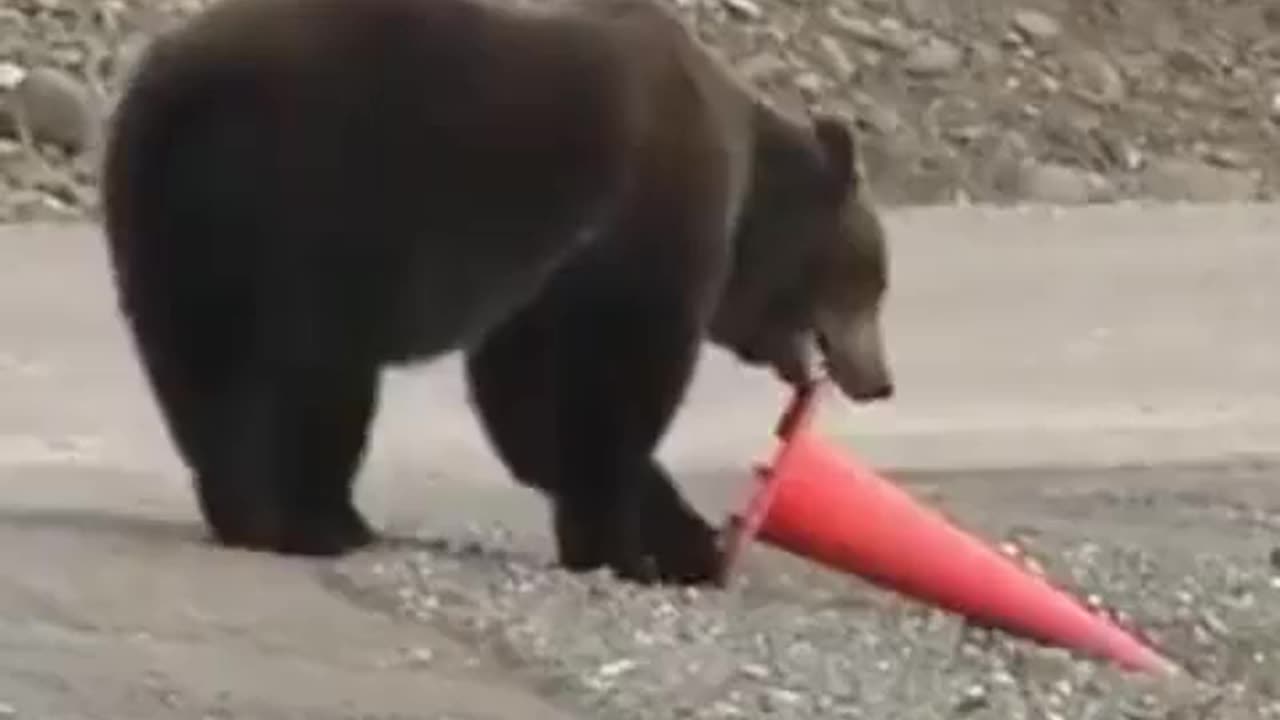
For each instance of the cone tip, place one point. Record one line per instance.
(1158, 664)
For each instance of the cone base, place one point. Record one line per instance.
(819, 504)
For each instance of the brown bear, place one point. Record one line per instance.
(299, 193)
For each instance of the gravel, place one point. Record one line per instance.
(997, 101)
(789, 640)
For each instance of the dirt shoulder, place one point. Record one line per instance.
(960, 100)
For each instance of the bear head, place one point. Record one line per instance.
(811, 266)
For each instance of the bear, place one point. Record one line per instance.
(577, 196)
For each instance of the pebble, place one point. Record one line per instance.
(810, 83)
(763, 66)
(881, 117)
(1227, 157)
(1036, 25)
(934, 56)
(1092, 75)
(859, 28)
(11, 74)
(744, 8)
(419, 656)
(838, 59)
(887, 33)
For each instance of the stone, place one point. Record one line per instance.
(744, 8)
(1179, 180)
(858, 28)
(895, 35)
(921, 12)
(1094, 77)
(934, 56)
(11, 75)
(1058, 184)
(128, 55)
(877, 115)
(763, 66)
(886, 33)
(1227, 157)
(837, 58)
(810, 84)
(1036, 26)
(56, 108)
(1271, 18)
(1120, 150)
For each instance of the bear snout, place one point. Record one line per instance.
(876, 393)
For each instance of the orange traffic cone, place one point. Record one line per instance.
(822, 505)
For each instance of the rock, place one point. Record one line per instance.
(1227, 157)
(11, 75)
(921, 12)
(934, 56)
(895, 35)
(1091, 75)
(887, 33)
(1190, 61)
(127, 57)
(986, 53)
(855, 26)
(57, 108)
(744, 8)
(837, 58)
(1176, 180)
(1119, 150)
(874, 114)
(1036, 26)
(1062, 184)
(1271, 18)
(763, 66)
(810, 84)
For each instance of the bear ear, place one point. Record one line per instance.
(840, 152)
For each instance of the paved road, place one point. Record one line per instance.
(1023, 339)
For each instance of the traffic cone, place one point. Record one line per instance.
(825, 506)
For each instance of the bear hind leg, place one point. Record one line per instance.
(272, 443)
(293, 442)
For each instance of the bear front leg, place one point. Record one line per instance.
(575, 395)
(624, 369)
(512, 383)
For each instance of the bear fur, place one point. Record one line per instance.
(300, 193)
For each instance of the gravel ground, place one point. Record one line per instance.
(1185, 555)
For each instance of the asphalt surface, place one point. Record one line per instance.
(1041, 355)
